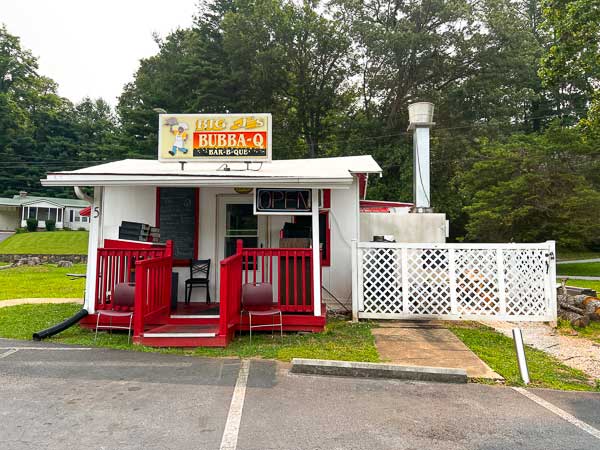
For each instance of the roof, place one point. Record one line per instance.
(320, 172)
(17, 200)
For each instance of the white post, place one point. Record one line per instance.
(316, 254)
(354, 249)
(551, 283)
(93, 242)
(421, 166)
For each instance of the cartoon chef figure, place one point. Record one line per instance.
(178, 129)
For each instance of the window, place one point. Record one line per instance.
(52, 214)
(71, 216)
(84, 219)
(60, 215)
(32, 213)
(324, 234)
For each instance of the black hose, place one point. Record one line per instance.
(61, 326)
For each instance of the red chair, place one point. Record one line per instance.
(123, 300)
(257, 300)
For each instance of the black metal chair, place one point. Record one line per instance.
(199, 276)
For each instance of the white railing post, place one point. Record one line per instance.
(501, 281)
(94, 240)
(404, 272)
(354, 249)
(452, 276)
(316, 253)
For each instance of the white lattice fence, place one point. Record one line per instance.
(455, 281)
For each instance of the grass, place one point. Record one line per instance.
(581, 269)
(589, 284)
(498, 352)
(47, 243)
(43, 281)
(341, 340)
(565, 255)
(592, 331)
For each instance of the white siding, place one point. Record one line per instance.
(135, 204)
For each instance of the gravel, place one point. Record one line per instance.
(579, 353)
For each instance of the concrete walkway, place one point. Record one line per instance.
(427, 344)
(37, 301)
(577, 277)
(5, 235)
(579, 261)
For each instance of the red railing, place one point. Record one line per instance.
(230, 293)
(152, 292)
(116, 263)
(289, 270)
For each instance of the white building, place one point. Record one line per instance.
(15, 211)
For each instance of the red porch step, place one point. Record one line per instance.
(206, 335)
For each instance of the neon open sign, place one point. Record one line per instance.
(282, 201)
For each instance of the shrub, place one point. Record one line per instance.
(50, 225)
(81, 229)
(32, 224)
(21, 230)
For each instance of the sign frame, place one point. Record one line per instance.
(281, 212)
(222, 159)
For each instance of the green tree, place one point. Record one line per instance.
(572, 62)
(532, 188)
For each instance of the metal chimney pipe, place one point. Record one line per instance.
(420, 117)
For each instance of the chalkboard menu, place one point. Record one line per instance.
(177, 219)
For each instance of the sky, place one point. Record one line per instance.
(92, 48)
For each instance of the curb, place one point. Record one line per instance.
(375, 370)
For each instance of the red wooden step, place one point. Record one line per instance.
(182, 331)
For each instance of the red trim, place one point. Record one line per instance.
(326, 261)
(183, 262)
(362, 184)
(86, 212)
(383, 204)
(326, 198)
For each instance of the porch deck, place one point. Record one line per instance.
(158, 324)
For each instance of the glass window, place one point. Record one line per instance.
(84, 219)
(71, 216)
(32, 213)
(52, 214)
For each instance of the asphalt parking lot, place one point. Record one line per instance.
(64, 398)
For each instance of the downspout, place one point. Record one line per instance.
(82, 195)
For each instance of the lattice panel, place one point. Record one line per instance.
(525, 273)
(428, 281)
(381, 280)
(477, 291)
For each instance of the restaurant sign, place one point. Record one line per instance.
(282, 201)
(214, 137)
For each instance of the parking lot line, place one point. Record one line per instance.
(232, 426)
(559, 412)
(9, 352)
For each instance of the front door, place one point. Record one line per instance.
(236, 220)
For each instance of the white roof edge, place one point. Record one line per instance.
(69, 180)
